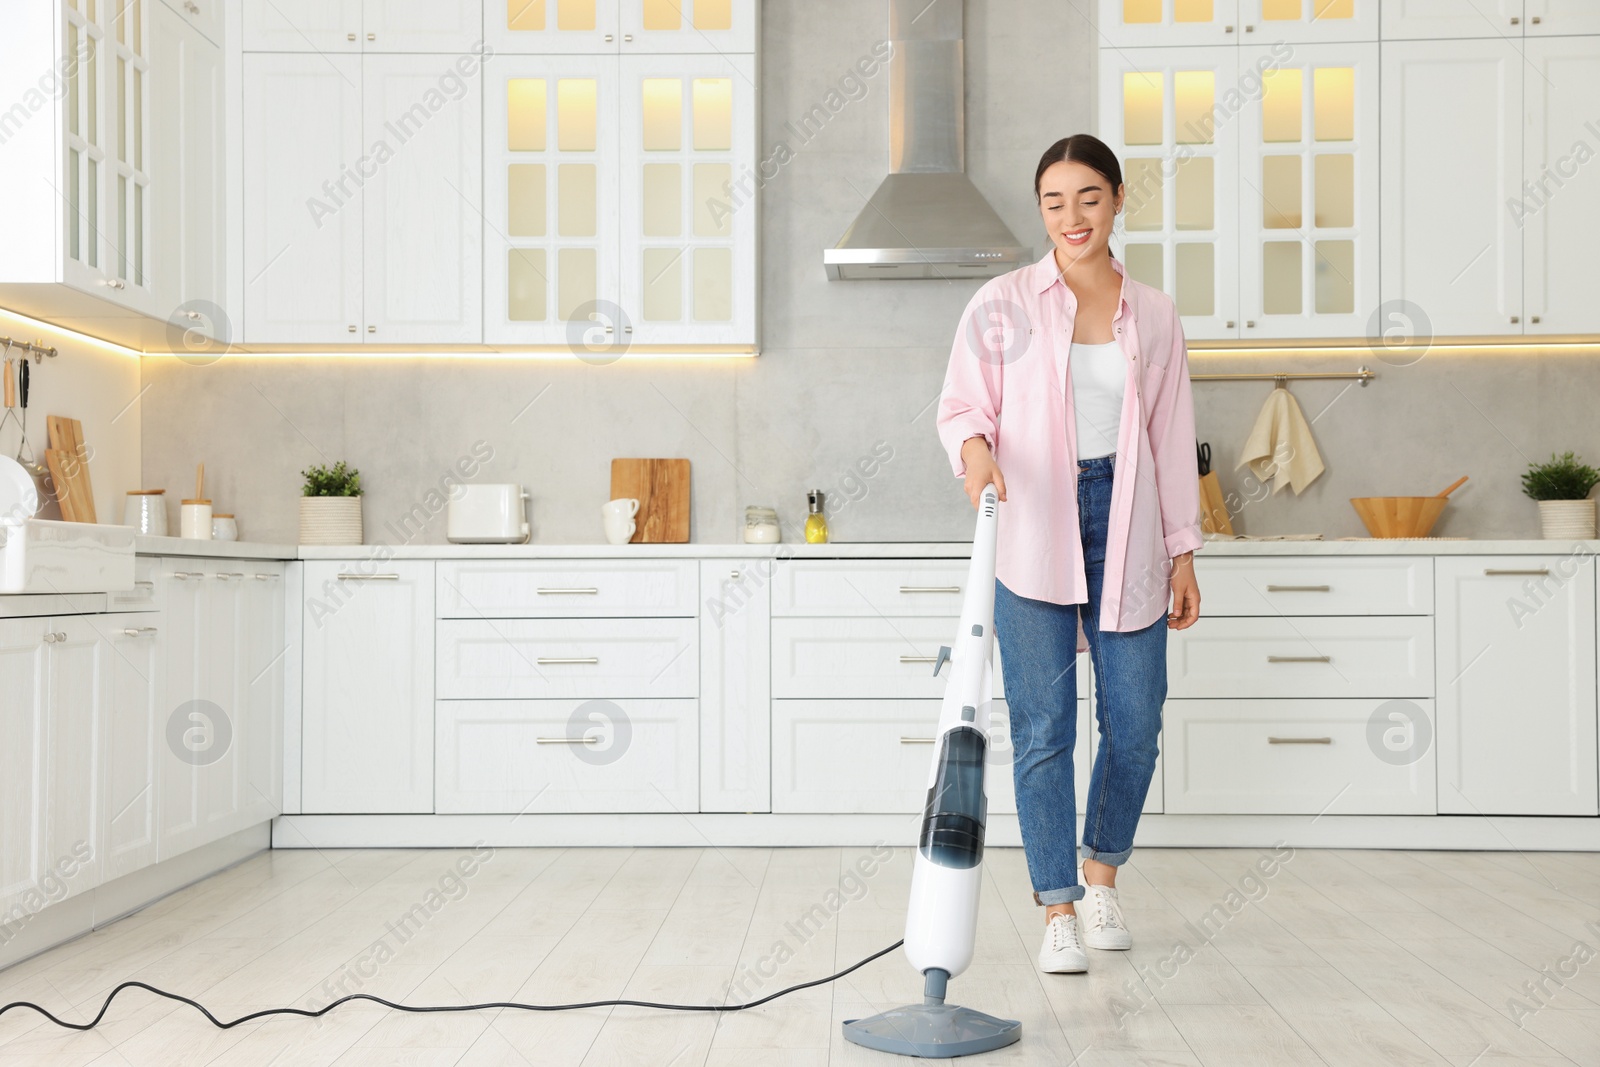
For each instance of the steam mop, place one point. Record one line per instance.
(942, 918)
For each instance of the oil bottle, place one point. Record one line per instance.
(816, 521)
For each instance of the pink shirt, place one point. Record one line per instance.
(1012, 347)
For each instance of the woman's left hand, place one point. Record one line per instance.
(1185, 593)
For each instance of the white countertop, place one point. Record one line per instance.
(178, 546)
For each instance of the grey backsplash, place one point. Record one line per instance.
(842, 397)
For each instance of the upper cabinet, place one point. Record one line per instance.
(1135, 23)
(362, 25)
(598, 27)
(1252, 183)
(1488, 18)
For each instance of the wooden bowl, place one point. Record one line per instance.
(1399, 516)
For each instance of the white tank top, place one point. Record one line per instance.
(1099, 378)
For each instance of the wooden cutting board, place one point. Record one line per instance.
(662, 488)
(68, 461)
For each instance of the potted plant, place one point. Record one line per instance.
(330, 506)
(1561, 487)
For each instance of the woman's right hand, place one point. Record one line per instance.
(981, 470)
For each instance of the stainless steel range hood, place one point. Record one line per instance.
(927, 219)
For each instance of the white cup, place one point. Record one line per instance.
(617, 516)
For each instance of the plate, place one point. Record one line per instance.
(19, 497)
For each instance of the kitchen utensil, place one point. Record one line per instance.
(195, 515)
(662, 488)
(1205, 458)
(487, 514)
(70, 469)
(1453, 486)
(146, 511)
(223, 527)
(1214, 516)
(19, 497)
(1399, 516)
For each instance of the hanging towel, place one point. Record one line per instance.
(1279, 448)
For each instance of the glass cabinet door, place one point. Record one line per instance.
(86, 136)
(1308, 194)
(1165, 112)
(547, 27)
(1307, 21)
(1140, 23)
(689, 199)
(129, 67)
(550, 182)
(689, 25)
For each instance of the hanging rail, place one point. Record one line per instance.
(39, 351)
(1363, 376)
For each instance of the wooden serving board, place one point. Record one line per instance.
(68, 461)
(662, 488)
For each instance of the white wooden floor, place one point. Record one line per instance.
(1341, 957)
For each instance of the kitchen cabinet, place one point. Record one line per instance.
(361, 200)
(1138, 23)
(1558, 204)
(262, 653)
(1452, 151)
(74, 714)
(133, 732)
(1560, 18)
(188, 182)
(736, 685)
(609, 27)
(1410, 19)
(203, 16)
(354, 26)
(1516, 685)
(22, 717)
(368, 703)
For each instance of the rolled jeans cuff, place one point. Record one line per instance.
(1110, 859)
(1064, 895)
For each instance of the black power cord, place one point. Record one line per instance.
(220, 1025)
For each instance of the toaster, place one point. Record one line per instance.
(488, 515)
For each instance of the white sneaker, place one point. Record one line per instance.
(1061, 953)
(1103, 925)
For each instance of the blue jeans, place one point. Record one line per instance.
(1038, 648)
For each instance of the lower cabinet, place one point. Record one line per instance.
(367, 705)
(134, 741)
(1516, 683)
(1299, 757)
(571, 755)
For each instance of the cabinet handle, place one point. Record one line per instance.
(545, 661)
(916, 740)
(1230, 321)
(565, 740)
(549, 590)
(149, 585)
(1250, 324)
(930, 589)
(1534, 20)
(1530, 570)
(49, 638)
(1533, 318)
(372, 37)
(138, 631)
(1249, 29)
(1515, 21)
(191, 7)
(182, 576)
(113, 283)
(735, 574)
(265, 577)
(627, 37)
(1298, 589)
(344, 577)
(1227, 29)
(352, 326)
(1299, 740)
(1299, 659)
(350, 37)
(918, 659)
(225, 575)
(372, 329)
(609, 38)
(1516, 319)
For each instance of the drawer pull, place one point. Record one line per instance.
(265, 577)
(138, 631)
(147, 585)
(1299, 659)
(1299, 589)
(548, 590)
(918, 659)
(545, 661)
(225, 575)
(183, 576)
(1299, 740)
(565, 740)
(369, 577)
(930, 589)
(916, 740)
(1530, 570)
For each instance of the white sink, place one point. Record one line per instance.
(47, 556)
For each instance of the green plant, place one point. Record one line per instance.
(337, 480)
(1563, 478)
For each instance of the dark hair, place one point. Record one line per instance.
(1083, 148)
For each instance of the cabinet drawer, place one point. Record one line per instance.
(549, 658)
(146, 592)
(517, 756)
(1386, 656)
(869, 587)
(1315, 585)
(854, 657)
(1345, 757)
(870, 756)
(585, 588)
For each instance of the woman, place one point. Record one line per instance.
(1090, 368)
